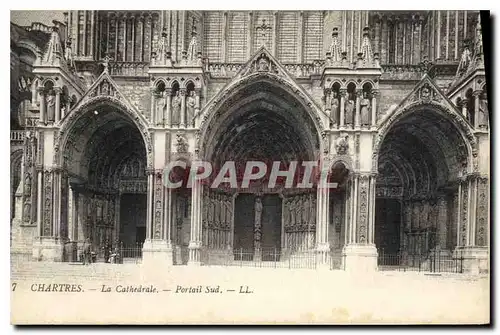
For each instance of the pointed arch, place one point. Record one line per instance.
(427, 97)
(261, 68)
(88, 106)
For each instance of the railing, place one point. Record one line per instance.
(129, 69)
(17, 135)
(118, 254)
(265, 258)
(435, 261)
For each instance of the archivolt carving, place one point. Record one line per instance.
(460, 124)
(249, 75)
(63, 135)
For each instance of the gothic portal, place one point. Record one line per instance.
(393, 104)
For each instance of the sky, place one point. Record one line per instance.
(26, 17)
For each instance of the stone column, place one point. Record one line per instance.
(39, 200)
(343, 93)
(322, 218)
(48, 247)
(360, 254)
(57, 113)
(168, 116)
(73, 216)
(157, 249)
(150, 189)
(183, 107)
(195, 241)
(475, 258)
(357, 116)
(374, 108)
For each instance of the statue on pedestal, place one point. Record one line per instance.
(51, 106)
(365, 110)
(190, 106)
(335, 109)
(482, 119)
(349, 111)
(176, 108)
(160, 107)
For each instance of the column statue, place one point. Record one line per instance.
(292, 212)
(176, 108)
(286, 213)
(306, 212)
(365, 110)
(27, 184)
(190, 106)
(27, 211)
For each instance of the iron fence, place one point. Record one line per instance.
(265, 258)
(436, 261)
(117, 254)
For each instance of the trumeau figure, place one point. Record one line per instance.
(365, 110)
(176, 108)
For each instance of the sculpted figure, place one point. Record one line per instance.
(292, 211)
(483, 111)
(190, 106)
(27, 184)
(160, 107)
(286, 213)
(335, 108)
(27, 211)
(306, 212)
(349, 111)
(210, 210)
(51, 106)
(342, 145)
(176, 108)
(365, 110)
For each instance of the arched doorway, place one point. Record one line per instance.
(421, 159)
(264, 122)
(105, 160)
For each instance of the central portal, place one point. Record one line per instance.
(257, 226)
(265, 217)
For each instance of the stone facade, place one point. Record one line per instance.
(392, 103)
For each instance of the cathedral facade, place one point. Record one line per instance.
(393, 104)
